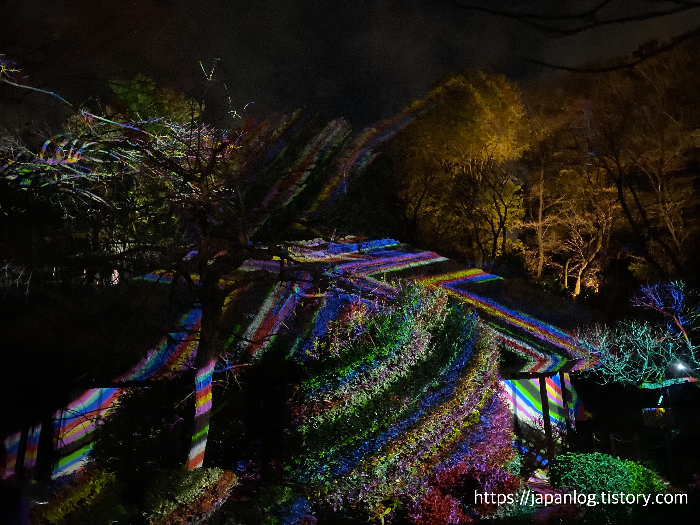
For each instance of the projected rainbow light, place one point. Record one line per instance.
(330, 149)
(403, 413)
(361, 152)
(525, 402)
(74, 425)
(202, 381)
(506, 321)
(367, 266)
(32, 448)
(278, 306)
(554, 350)
(318, 151)
(524, 398)
(11, 444)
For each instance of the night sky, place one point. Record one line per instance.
(360, 59)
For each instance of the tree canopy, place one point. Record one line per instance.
(649, 354)
(454, 165)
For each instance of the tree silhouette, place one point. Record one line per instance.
(155, 187)
(605, 13)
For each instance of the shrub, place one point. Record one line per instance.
(594, 473)
(644, 480)
(82, 492)
(208, 499)
(178, 487)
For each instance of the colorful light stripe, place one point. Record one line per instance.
(524, 398)
(72, 462)
(32, 449)
(166, 360)
(277, 307)
(203, 383)
(74, 425)
(342, 460)
(11, 444)
(547, 333)
(361, 152)
(358, 262)
(459, 277)
(80, 417)
(538, 361)
(537, 328)
(288, 187)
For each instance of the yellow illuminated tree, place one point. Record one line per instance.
(453, 166)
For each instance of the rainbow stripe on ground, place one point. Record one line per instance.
(366, 265)
(74, 425)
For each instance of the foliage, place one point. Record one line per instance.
(81, 493)
(638, 352)
(181, 489)
(142, 100)
(514, 512)
(595, 473)
(152, 186)
(178, 487)
(572, 203)
(255, 502)
(484, 468)
(454, 168)
(673, 300)
(610, 173)
(13, 278)
(204, 505)
(7, 68)
(437, 508)
(401, 401)
(646, 146)
(617, 170)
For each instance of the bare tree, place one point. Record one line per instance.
(646, 354)
(604, 13)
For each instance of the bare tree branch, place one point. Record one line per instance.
(643, 56)
(577, 23)
(583, 21)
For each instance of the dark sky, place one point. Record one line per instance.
(361, 59)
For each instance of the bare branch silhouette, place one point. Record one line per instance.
(563, 25)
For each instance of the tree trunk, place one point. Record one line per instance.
(577, 288)
(504, 238)
(585, 265)
(540, 233)
(494, 243)
(210, 347)
(211, 339)
(414, 217)
(203, 380)
(479, 243)
(636, 230)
